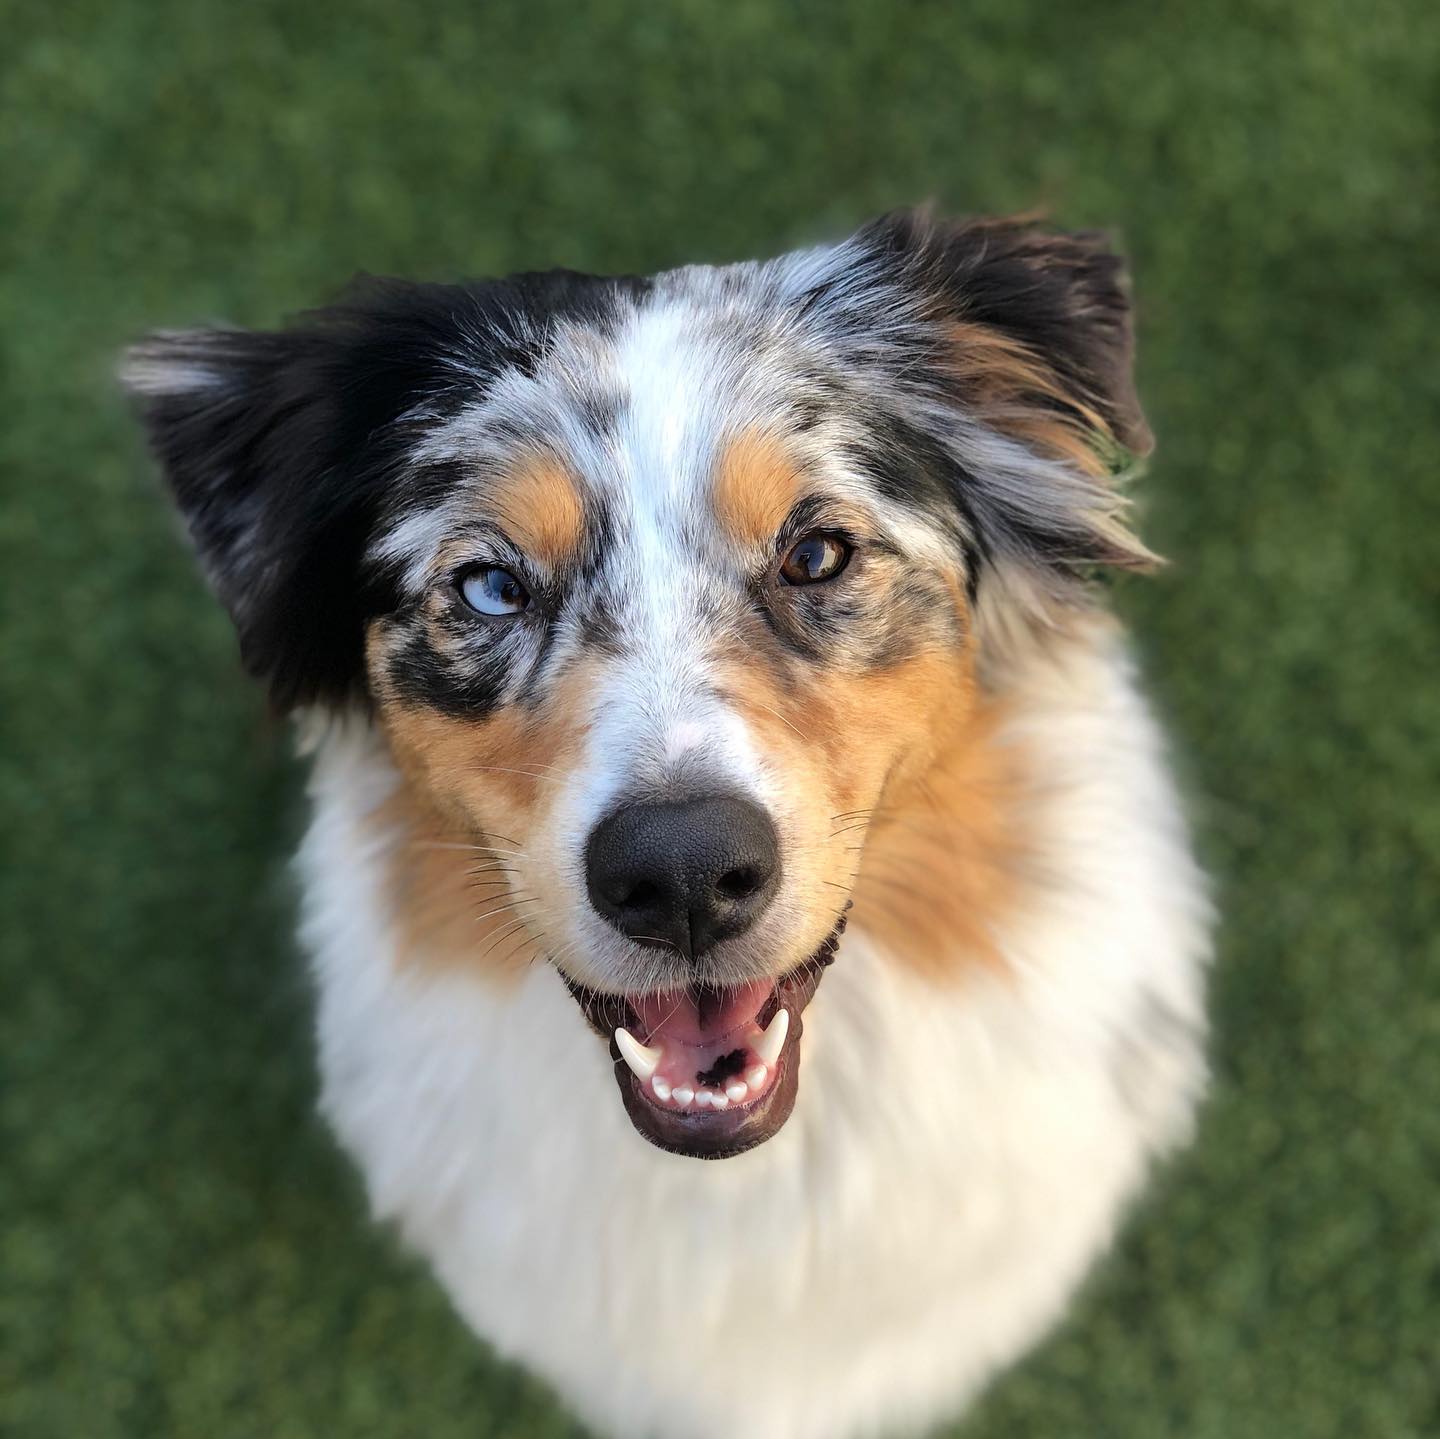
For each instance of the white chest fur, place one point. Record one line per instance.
(955, 1161)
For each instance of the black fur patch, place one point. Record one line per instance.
(420, 674)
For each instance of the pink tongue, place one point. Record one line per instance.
(688, 1016)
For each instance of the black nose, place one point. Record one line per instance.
(687, 874)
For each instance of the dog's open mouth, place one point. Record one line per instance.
(709, 1072)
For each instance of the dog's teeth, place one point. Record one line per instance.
(719, 1101)
(704, 1098)
(642, 1060)
(757, 1076)
(737, 1089)
(682, 1094)
(769, 1044)
(662, 1090)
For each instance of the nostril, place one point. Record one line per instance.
(739, 883)
(641, 895)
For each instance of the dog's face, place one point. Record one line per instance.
(659, 588)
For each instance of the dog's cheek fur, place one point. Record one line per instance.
(474, 859)
(944, 855)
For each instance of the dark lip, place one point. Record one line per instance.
(716, 1134)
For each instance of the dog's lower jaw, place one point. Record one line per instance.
(921, 1218)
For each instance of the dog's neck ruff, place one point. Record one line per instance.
(956, 1158)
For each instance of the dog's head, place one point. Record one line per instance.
(659, 588)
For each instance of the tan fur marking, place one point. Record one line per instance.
(540, 508)
(756, 484)
(451, 904)
(945, 853)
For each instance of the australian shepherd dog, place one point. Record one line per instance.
(757, 946)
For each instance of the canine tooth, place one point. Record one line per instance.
(682, 1094)
(662, 1090)
(641, 1059)
(769, 1044)
(737, 1089)
(757, 1076)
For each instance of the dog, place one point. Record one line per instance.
(758, 949)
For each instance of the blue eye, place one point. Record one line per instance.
(489, 590)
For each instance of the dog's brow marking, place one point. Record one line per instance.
(539, 507)
(756, 485)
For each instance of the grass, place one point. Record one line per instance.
(182, 1252)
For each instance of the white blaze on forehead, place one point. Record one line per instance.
(671, 368)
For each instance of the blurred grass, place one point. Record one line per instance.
(181, 1250)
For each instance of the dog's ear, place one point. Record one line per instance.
(256, 440)
(279, 449)
(1039, 320)
(1017, 341)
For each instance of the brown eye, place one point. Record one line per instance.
(817, 557)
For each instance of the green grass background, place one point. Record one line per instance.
(182, 1251)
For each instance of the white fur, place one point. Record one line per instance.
(955, 1162)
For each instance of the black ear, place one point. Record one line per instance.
(282, 449)
(1060, 300)
(248, 430)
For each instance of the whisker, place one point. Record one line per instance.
(503, 908)
(512, 952)
(503, 935)
(657, 940)
(505, 769)
(782, 719)
(564, 952)
(674, 1010)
